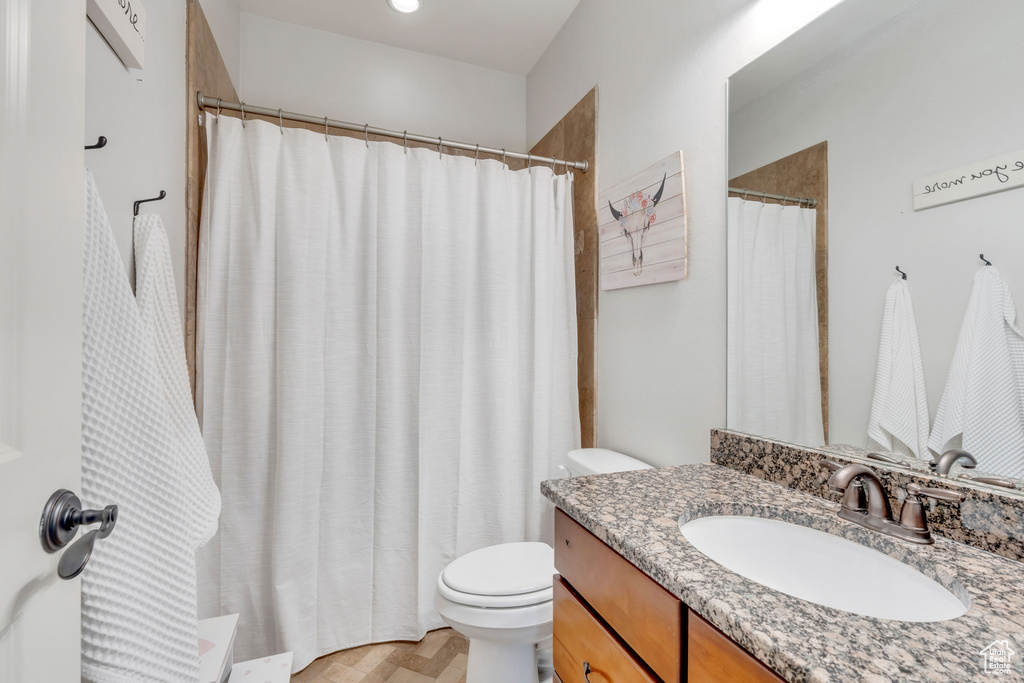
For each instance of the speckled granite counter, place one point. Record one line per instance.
(638, 514)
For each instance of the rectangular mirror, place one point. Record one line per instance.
(843, 117)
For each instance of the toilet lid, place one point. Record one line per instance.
(506, 569)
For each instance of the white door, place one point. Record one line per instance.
(42, 114)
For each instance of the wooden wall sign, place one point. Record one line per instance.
(122, 23)
(984, 177)
(642, 226)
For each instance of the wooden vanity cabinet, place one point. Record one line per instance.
(612, 616)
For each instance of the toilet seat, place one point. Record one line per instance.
(500, 576)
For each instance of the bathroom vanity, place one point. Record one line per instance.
(613, 620)
(635, 601)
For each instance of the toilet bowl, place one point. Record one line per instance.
(500, 596)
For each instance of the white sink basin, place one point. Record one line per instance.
(822, 568)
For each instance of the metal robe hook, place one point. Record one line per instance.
(101, 142)
(982, 257)
(151, 199)
(901, 272)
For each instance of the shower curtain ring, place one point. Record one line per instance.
(366, 134)
(745, 193)
(218, 108)
(242, 105)
(405, 142)
(529, 162)
(476, 157)
(553, 162)
(327, 130)
(440, 152)
(280, 120)
(503, 158)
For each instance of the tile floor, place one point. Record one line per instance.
(439, 658)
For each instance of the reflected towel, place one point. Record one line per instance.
(982, 406)
(899, 410)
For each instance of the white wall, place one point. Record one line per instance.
(324, 74)
(225, 20)
(934, 91)
(661, 66)
(142, 114)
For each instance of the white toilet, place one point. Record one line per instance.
(500, 596)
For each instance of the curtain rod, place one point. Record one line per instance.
(811, 202)
(212, 103)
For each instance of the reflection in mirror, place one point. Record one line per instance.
(828, 343)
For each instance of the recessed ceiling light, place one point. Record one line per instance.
(404, 6)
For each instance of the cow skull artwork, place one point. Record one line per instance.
(635, 219)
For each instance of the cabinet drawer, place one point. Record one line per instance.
(580, 638)
(714, 658)
(645, 615)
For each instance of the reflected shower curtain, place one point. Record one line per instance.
(386, 371)
(774, 383)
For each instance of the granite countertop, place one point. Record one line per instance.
(638, 513)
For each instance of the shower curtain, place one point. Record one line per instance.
(774, 383)
(386, 364)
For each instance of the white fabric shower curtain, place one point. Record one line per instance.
(774, 385)
(386, 372)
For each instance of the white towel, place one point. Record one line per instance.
(158, 307)
(982, 406)
(139, 589)
(899, 410)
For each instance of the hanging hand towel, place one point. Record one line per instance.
(899, 410)
(139, 620)
(982, 406)
(157, 300)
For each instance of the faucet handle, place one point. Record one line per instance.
(938, 494)
(854, 499)
(912, 517)
(832, 465)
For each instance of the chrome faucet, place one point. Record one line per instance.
(946, 460)
(876, 514)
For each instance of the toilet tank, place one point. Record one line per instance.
(583, 461)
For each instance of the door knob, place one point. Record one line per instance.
(62, 515)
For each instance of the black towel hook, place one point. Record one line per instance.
(101, 141)
(982, 257)
(901, 272)
(152, 199)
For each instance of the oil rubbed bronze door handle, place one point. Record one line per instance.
(586, 671)
(62, 515)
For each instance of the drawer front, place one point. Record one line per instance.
(645, 615)
(581, 639)
(714, 658)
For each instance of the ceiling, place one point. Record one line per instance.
(508, 35)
